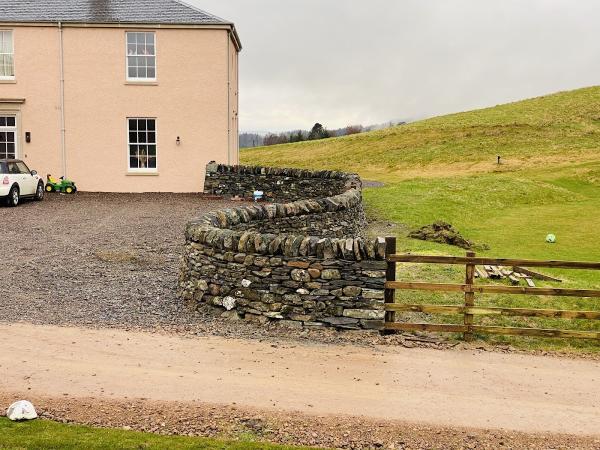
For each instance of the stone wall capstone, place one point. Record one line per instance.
(300, 263)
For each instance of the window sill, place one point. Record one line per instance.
(141, 174)
(141, 83)
(8, 81)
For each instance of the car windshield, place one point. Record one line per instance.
(3, 168)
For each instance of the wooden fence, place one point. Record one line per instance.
(469, 288)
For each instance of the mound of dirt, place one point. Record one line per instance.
(443, 233)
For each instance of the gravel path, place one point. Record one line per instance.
(112, 261)
(96, 259)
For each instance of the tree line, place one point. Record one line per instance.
(318, 131)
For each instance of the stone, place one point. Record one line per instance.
(290, 324)
(352, 291)
(298, 264)
(261, 261)
(273, 315)
(369, 314)
(373, 324)
(246, 283)
(302, 317)
(277, 289)
(302, 291)
(314, 273)
(374, 273)
(229, 303)
(337, 321)
(292, 299)
(373, 294)
(300, 275)
(202, 285)
(248, 260)
(330, 274)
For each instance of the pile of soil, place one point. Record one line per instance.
(443, 233)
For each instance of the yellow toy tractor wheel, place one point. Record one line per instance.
(69, 190)
(49, 188)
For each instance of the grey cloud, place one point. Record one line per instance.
(349, 61)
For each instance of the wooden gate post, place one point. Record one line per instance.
(390, 275)
(469, 297)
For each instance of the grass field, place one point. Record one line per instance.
(43, 434)
(445, 169)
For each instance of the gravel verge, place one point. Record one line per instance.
(196, 419)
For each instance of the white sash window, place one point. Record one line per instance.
(7, 55)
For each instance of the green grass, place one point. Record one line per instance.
(43, 434)
(444, 169)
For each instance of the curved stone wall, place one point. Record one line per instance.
(302, 263)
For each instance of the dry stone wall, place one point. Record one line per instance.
(300, 263)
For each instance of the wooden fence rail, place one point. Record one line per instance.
(468, 310)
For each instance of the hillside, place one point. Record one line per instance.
(445, 169)
(554, 128)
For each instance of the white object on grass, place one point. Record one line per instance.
(21, 410)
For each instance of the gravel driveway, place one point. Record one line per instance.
(96, 259)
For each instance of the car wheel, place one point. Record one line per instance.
(13, 196)
(39, 192)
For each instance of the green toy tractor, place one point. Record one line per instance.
(63, 185)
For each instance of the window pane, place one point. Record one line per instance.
(142, 137)
(152, 137)
(2, 121)
(132, 124)
(150, 50)
(10, 148)
(151, 61)
(152, 150)
(152, 162)
(150, 38)
(151, 124)
(10, 121)
(130, 38)
(133, 162)
(3, 151)
(132, 137)
(142, 125)
(151, 72)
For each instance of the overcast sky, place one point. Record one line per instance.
(342, 62)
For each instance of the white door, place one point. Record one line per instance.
(8, 137)
(29, 183)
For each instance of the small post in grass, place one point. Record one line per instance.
(469, 297)
(390, 275)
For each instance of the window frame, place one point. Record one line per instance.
(139, 80)
(15, 130)
(12, 35)
(136, 170)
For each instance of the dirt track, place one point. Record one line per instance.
(445, 388)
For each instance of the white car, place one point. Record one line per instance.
(17, 182)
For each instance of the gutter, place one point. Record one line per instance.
(62, 102)
(228, 99)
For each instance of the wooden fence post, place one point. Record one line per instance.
(469, 297)
(390, 275)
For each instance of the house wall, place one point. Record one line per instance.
(189, 100)
(37, 74)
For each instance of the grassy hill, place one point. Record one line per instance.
(445, 169)
(555, 128)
